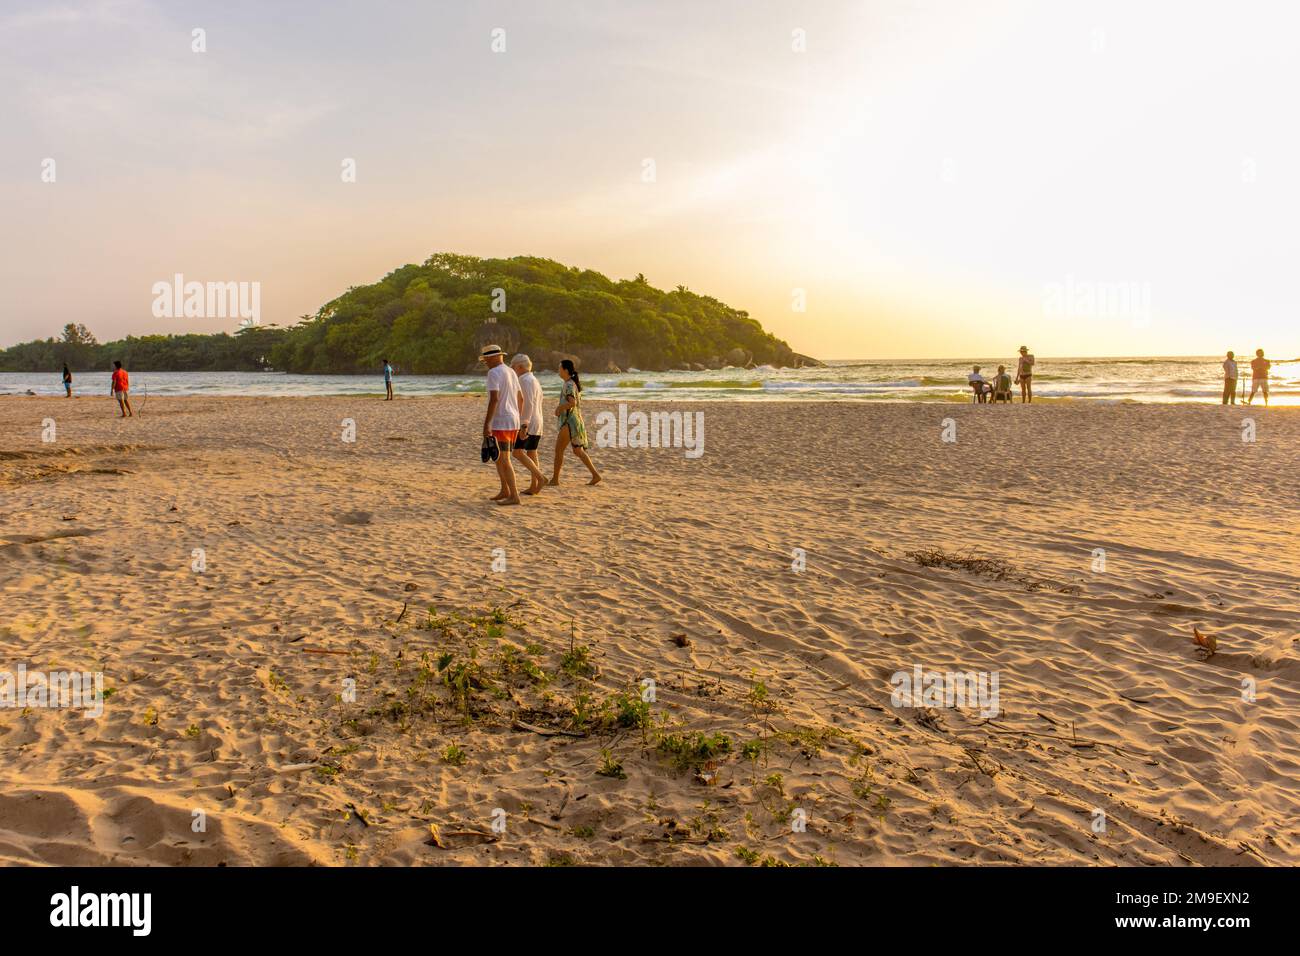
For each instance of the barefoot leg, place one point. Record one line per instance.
(538, 479)
(561, 443)
(586, 460)
(507, 472)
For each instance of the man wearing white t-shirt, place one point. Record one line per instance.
(530, 418)
(502, 419)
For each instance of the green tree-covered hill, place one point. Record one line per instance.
(433, 318)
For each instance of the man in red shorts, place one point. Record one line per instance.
(505, 398)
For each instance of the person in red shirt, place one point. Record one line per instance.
(1259, 367)
(120, 386)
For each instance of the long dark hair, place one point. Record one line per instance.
(567, 365)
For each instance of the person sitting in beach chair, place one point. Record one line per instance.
(1002, 385)
(979, 385)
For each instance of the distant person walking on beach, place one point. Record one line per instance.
(981, 387)
(388, 381)
(120, 386)
(1259, 367)
(572, 429)
(530, 422)
(67, 380)
(502, 418)
(1230, 379)
(1025, 374)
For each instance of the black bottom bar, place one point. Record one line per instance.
(234, 906)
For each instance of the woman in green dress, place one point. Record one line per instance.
(572, 430)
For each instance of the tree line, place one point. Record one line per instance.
(432, 318)
(248, 350)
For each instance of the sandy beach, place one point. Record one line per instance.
(373, 664)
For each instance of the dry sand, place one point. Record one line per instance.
(311, 544)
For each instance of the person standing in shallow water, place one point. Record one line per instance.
(1230, 379)
(1025, 374)
(572, 429)
(1259, 367)
(67, 381)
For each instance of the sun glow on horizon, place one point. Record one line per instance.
(926, 177)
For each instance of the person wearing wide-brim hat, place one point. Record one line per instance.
(1025, 374)
(502, 419)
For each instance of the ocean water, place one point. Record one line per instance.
(1055, 380)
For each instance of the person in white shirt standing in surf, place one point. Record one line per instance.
(1230, 379)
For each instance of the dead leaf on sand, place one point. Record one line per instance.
(1208, 642)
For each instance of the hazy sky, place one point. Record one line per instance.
(938, 177)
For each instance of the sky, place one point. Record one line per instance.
(891, 179)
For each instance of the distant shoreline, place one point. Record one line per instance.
(603, 401)
(829, 362)
(1144, 381)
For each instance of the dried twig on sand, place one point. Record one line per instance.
(994, 568)
(439, 837)
(1073, 741)
(974, 757)
(546, 731)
